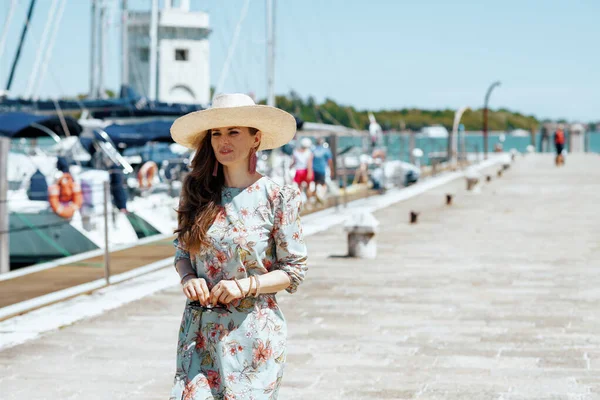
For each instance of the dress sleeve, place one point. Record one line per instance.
(180, 252)
(290, 248)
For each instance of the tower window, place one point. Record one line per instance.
(144, 54)
(181, 54)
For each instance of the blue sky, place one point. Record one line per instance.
(373, 54)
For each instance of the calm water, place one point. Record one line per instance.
(399, 145)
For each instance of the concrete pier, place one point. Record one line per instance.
(494, 297)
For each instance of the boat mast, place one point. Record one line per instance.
(101, 45)
(124, 44)
(153, 49)
(270, 52)
(18, 55)
(93, 51)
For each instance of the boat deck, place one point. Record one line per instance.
(43, 282)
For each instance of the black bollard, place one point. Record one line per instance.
(449, 199)
(413, 217)
(488, 178)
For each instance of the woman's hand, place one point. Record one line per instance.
(225, 292)
(196, 289)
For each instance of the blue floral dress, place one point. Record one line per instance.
(238, 352)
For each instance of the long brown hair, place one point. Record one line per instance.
(200, 199)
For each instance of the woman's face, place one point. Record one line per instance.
(232, 144)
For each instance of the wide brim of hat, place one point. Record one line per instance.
(277, 126)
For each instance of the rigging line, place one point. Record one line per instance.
(42, 48)
(9, 16)
(234, 71)
(31, 226)
(317, 113)
(254, 58)
(221, 42)
(50, 48)
(232, 46)
(57, 83)
(327, 115)
(61, 117)
(352, 118)
(20, 46)
(43, 235)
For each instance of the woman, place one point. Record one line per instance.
(239, 242)
(303, 162)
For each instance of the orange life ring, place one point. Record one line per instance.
(65, 196)
(146, 174)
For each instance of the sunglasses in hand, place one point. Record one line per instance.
(197, 306)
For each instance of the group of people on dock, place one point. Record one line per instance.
(312, 164)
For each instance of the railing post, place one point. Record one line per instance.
(4, 217)
(412, 147)
(333, 144)
(344, 180)
(106, 246)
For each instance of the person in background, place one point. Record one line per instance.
(378, 175)
(559, 143)
(361, 175)
(322, 158)
(303, 162)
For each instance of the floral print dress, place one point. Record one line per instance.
(238, 351)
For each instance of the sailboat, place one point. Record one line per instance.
(39, 228)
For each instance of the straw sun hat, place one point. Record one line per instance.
(277, 126)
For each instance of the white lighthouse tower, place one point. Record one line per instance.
(167, 56)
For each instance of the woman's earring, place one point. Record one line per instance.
(216, 169)
(252, 162)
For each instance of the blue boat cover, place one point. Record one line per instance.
(140, 134)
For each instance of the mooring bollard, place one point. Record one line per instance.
(414, 216)
(449, 199)
(471, 182)
(488, 178)
(361, 230)
(472, 177)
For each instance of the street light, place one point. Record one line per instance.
(485, 118)
(453, 138)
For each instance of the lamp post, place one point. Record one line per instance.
(485, 118)
(453, 138)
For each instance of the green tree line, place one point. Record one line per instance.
(331, 112)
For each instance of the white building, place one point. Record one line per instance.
(182, 70)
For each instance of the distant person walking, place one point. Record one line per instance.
(559, 143)
(322, 158)
(303, 162)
